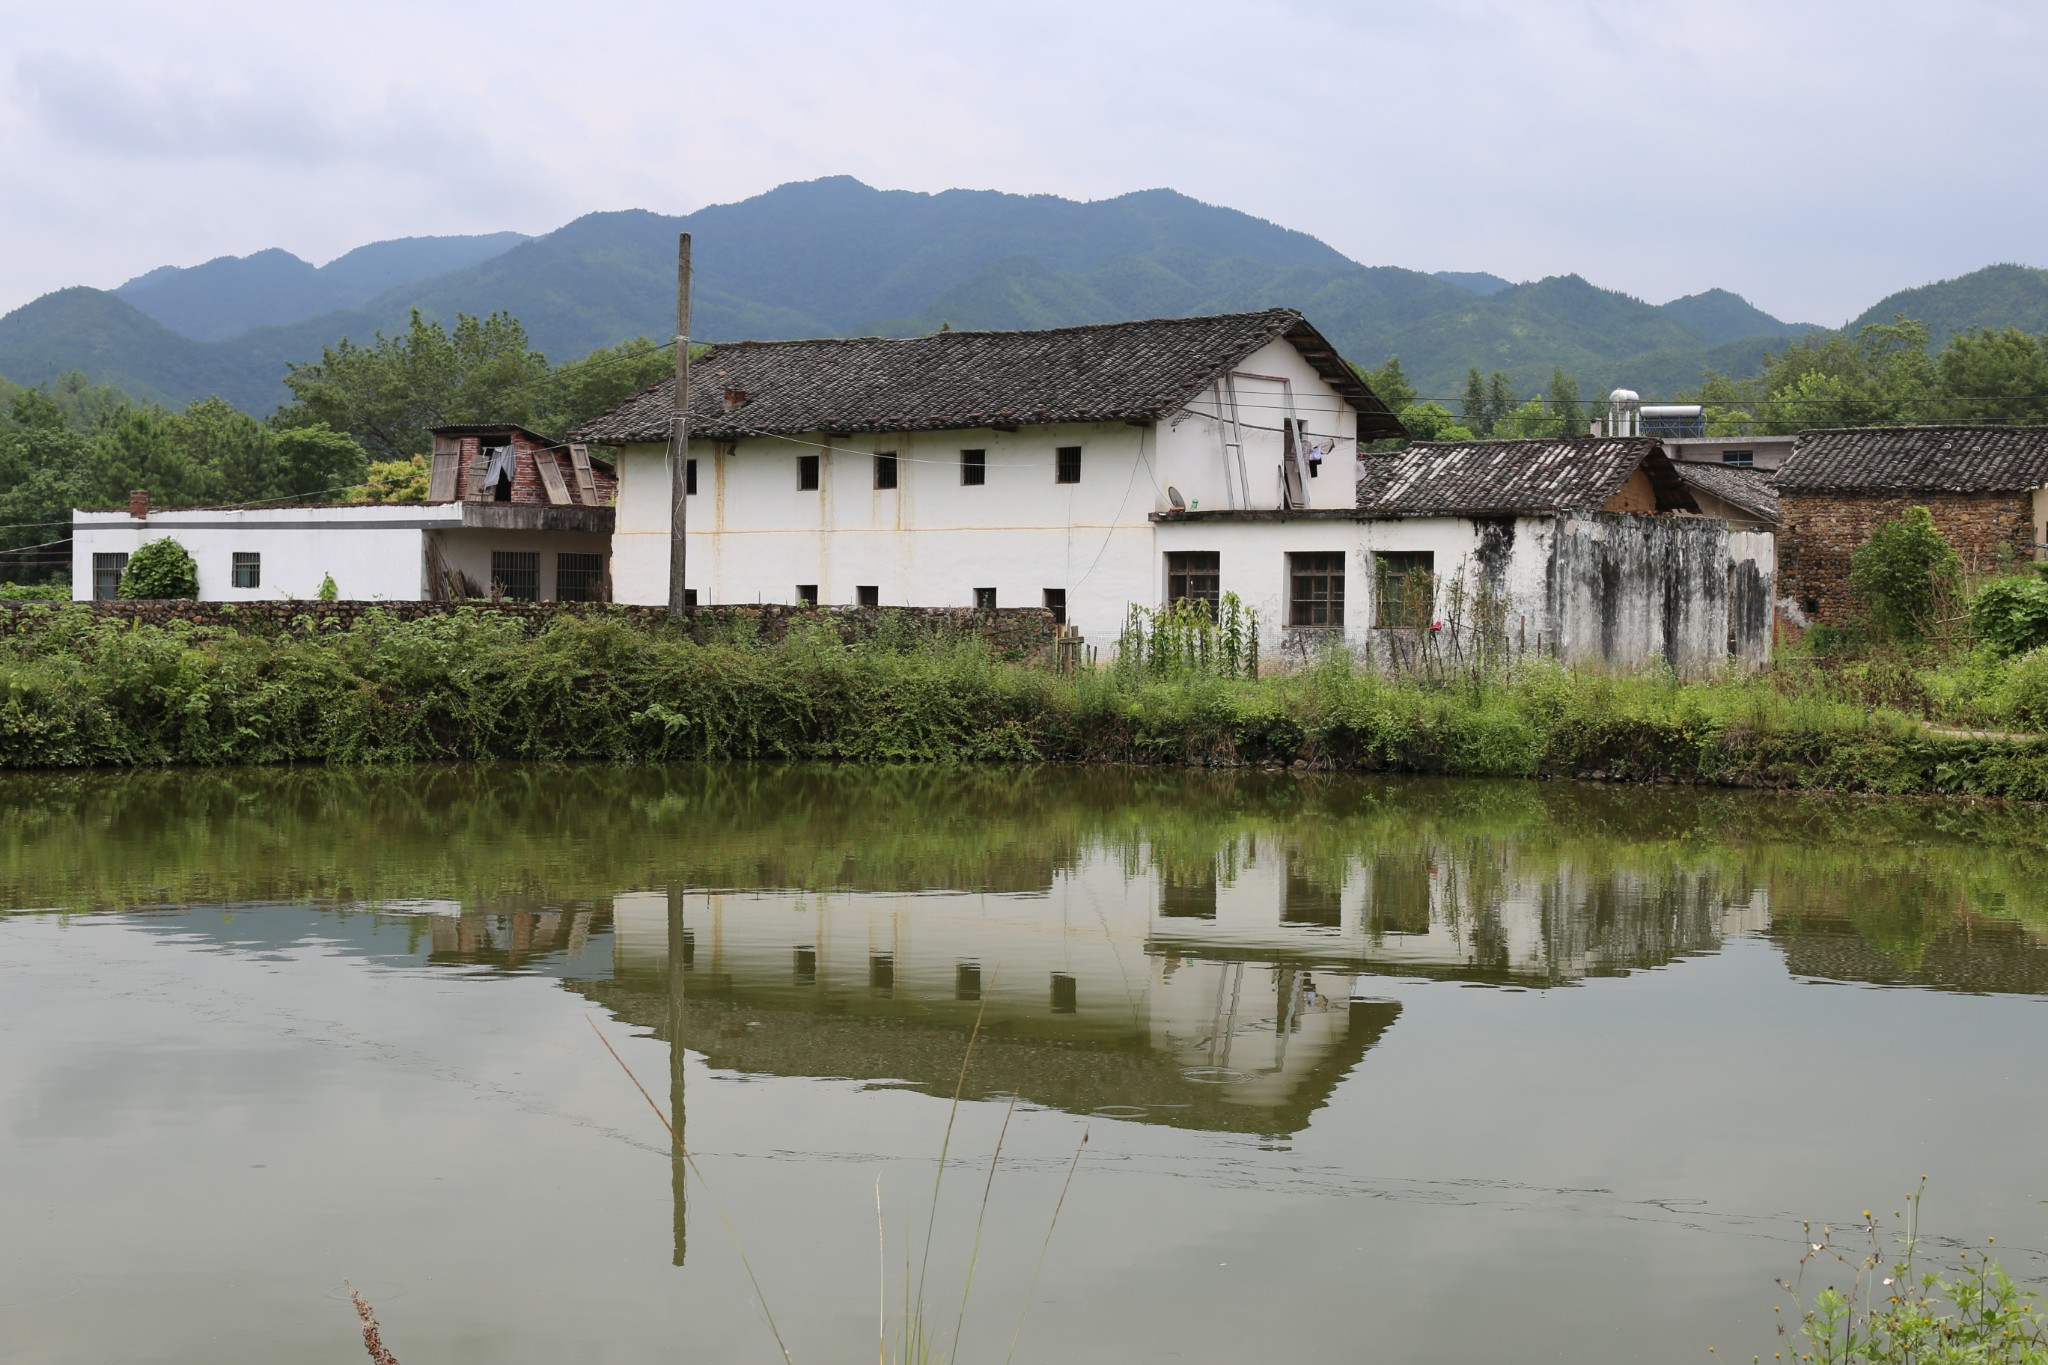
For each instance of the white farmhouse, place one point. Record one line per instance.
(508, 513)
(996, 469)
(1085, 469)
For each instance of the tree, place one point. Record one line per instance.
(1501, 403)
(1568, 418)
(2003, 374)
(1903, 573)
(1883, 376)
(1388, 384)
(1473, 414)
(394, 481)
(159, 570)
(1434, 422)
(388, 394)
(582, 389)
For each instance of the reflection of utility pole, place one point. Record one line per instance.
(679, 1169)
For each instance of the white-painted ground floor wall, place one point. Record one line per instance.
(373, 553)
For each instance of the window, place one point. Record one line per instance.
(973, 468)
(106, 576)
(1194, 576)
(690, 478)
(804, 970)
(984, 599)
(516, 573)
(1741, 459)
(807, 594)
(967, 981)
(806, 473)
(246, 569)
(1068, 469)
(689, 597)
(1407, 589)
(1315, 597)
(867, 595)
(1066, 993)
(882, 971)
(885, 470)
(579, 577)
(1056, 603)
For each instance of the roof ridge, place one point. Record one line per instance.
(751, 343)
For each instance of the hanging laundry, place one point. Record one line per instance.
(501, 466)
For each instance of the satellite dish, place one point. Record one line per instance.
(1180, 504)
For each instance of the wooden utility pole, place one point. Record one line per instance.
(679, 439)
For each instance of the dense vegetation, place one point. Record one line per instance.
(80, 691)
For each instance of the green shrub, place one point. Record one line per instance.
(328, 592)
(1903, 573)
(160, 570)
(35, 592)
(2011, 614)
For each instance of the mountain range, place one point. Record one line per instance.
(836, 257)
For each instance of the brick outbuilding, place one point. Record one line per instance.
(1985, 486)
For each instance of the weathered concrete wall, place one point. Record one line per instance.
(1818, 532)
(1630, 590)
(1023, 633)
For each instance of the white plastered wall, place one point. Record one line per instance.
(372, 552)
(754, 536)
(1191, 454)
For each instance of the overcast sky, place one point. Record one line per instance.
(1808, 154)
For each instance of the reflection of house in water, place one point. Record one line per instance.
(517, 934)
(1957, 952)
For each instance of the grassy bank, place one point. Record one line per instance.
(80, 692)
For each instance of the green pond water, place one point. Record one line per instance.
(1367, 1070)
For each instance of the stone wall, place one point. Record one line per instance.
(1013, 632)
(1818, 532)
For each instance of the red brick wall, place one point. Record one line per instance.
(1818, 532)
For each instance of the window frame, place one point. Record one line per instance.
(1738, 459)
(1182, 577)
(105, 562)
(885, 471)
(984, 599)
(810, 474)
(867, 595)
(1310, 607)
(1393, 572)
(807, 594)
(1066, 467)
(501, 565)
(587, 578)
(238, 560)
(973, 468)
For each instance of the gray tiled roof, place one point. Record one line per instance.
(1119, 372)
(1465, 478)
(1748, 489)
(1953, 459)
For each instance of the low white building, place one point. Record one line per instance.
(508, 513)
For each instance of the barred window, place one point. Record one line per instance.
(1194, 576)
(106, 576)
(246, 569)
(579, 577)
(806, 473)
(517, 574)
(973, 468)
(1407, 588)
(885, 470)
(1068, 469)
(1315, 599)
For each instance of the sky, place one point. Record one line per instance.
(1810, 155)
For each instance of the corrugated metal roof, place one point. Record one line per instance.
(1943, 459)
(1119, 372)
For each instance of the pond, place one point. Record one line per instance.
(1355, 1069)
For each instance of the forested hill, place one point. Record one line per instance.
(836, 257)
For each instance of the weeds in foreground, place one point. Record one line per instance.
(1894, 1312)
